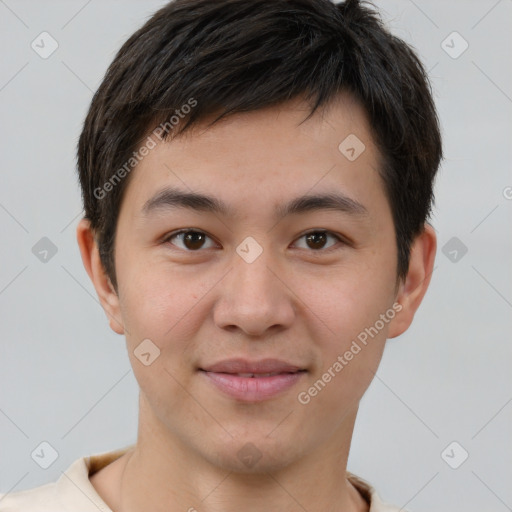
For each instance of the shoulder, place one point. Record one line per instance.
(369, 493)
(72, 492)
(37, 499)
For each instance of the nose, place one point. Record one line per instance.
(254, 298)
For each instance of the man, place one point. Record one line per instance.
(257, 178)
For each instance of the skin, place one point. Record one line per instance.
(294, 302)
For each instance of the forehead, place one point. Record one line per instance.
(263, 159)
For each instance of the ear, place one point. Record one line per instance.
(413, 289)
(92, 263)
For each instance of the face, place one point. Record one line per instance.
(312, 286)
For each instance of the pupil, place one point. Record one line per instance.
(193, 240)
(314, 238)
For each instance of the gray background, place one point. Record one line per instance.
(65, 377)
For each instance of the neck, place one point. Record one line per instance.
(162, 474)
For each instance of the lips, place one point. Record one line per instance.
(254, 381)
(255, 375)
(245, 368)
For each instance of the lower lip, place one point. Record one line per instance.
(253, 389)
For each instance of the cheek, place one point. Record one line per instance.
(355, 312)
(348, 300)
(349, 360)
(168, 307)
(157, 300)
(357, 335)
(163, 308)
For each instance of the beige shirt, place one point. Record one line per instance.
(73, 491)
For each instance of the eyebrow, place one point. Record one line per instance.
(172, 198)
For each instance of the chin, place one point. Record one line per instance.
(254, 455)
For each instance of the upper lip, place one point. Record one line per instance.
(240, 365)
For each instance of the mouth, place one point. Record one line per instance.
(244, 367)
(252, 386)
(256, 375)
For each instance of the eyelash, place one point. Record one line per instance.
(168, 238)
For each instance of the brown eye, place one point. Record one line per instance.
(193, 241)
(317, 240)
(190, 240)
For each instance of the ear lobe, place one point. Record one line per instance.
(94, 268)
(413, 289)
